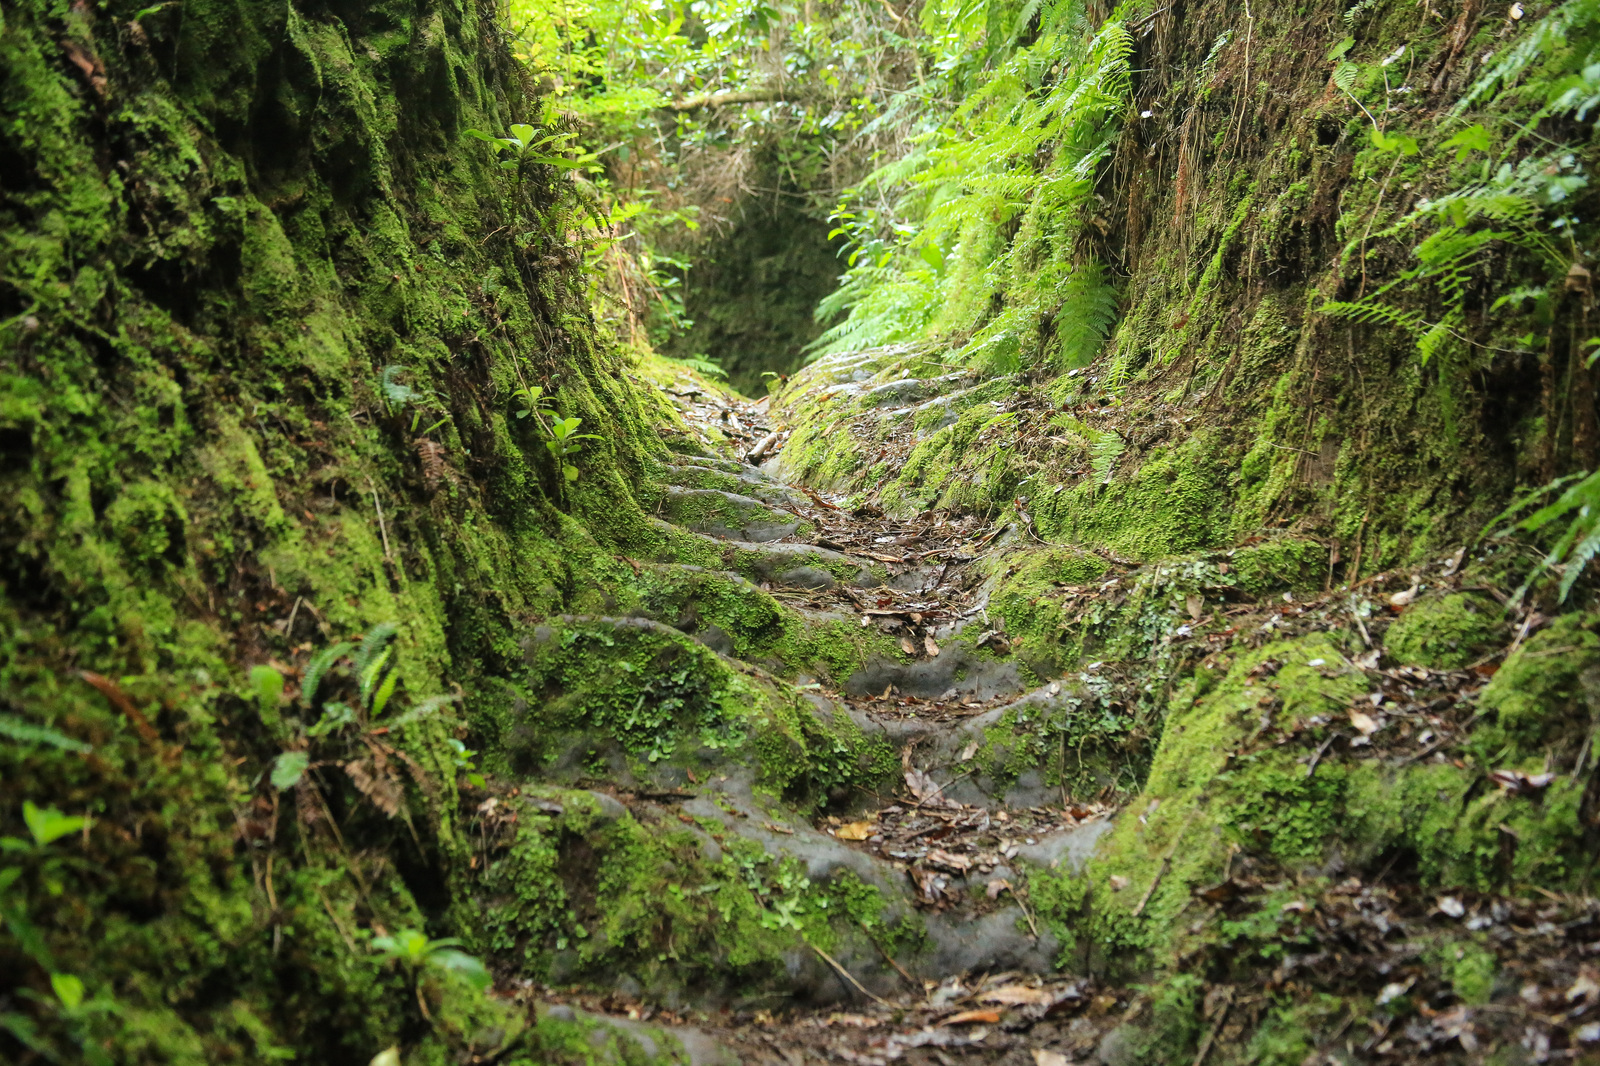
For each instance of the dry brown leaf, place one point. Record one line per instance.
(1403, 599)
(1118, 883)
(929, 646)
(377, 785)
(1016, 996)
(970, 1017)
(997, 886)
(907, 647)
(855, 831)
(1364, 723)
(1041, 1057)
(948, 861)
(970, 750)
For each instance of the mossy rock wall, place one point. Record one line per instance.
(263, 309)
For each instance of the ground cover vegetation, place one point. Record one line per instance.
(1157, 625)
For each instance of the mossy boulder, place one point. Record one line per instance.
(1445, 632)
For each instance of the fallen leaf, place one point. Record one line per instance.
(907, 647)
(1118, 882)
(1520, 784)
(970, 750)
(969, 1017)
(1042, 1057)
(1194, 605)
(1455, 561)
(959, 864)
(997, 886)
(855, 831)
(1394, 990)
(1403, 599)
(1016, 996)
(929, 646)
(1451, 907)
(1364, 723)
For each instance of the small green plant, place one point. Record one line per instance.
(526, 145)
(414, 951)
(464, 757)
(45, 825)
(563, 443)
(395, 395)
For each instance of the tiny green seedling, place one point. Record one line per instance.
(464, 761)
(45, 825)
(414, 951)
(564, 443)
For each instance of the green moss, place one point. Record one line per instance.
(1545, 686)
(1280, 563)
(1445, 632)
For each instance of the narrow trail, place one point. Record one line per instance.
(986, 980)
(948, 843)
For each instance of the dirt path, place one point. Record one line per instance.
(990, 983)
(987, 993)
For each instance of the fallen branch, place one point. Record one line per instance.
(901, 970)
(743, 96)
(831, 961)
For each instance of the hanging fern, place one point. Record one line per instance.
(987, 210)
(1088, 311)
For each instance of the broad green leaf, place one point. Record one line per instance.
(288, 768)
(68, 989)
(48, 824)
(480, 135)
(460, 962)
(267, 684)
(1472, 139)
(522, 132)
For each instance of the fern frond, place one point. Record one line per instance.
(1369, 313)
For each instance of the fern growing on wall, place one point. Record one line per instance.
(979, 243)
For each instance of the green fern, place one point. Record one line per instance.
(1088, 311)
(986, 211)
(1105, 448)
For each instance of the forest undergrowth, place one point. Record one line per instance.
(1154, 625)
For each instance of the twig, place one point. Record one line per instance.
(337, 924)
(901, 970)
(119, 699)
(1320, 752)
(381, 529)
(1024, 908)
(1166, 861)
(1216, 1027)
(294, 611)
(831, 961)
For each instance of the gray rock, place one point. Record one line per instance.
(611, 808)
(1118, 1048)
